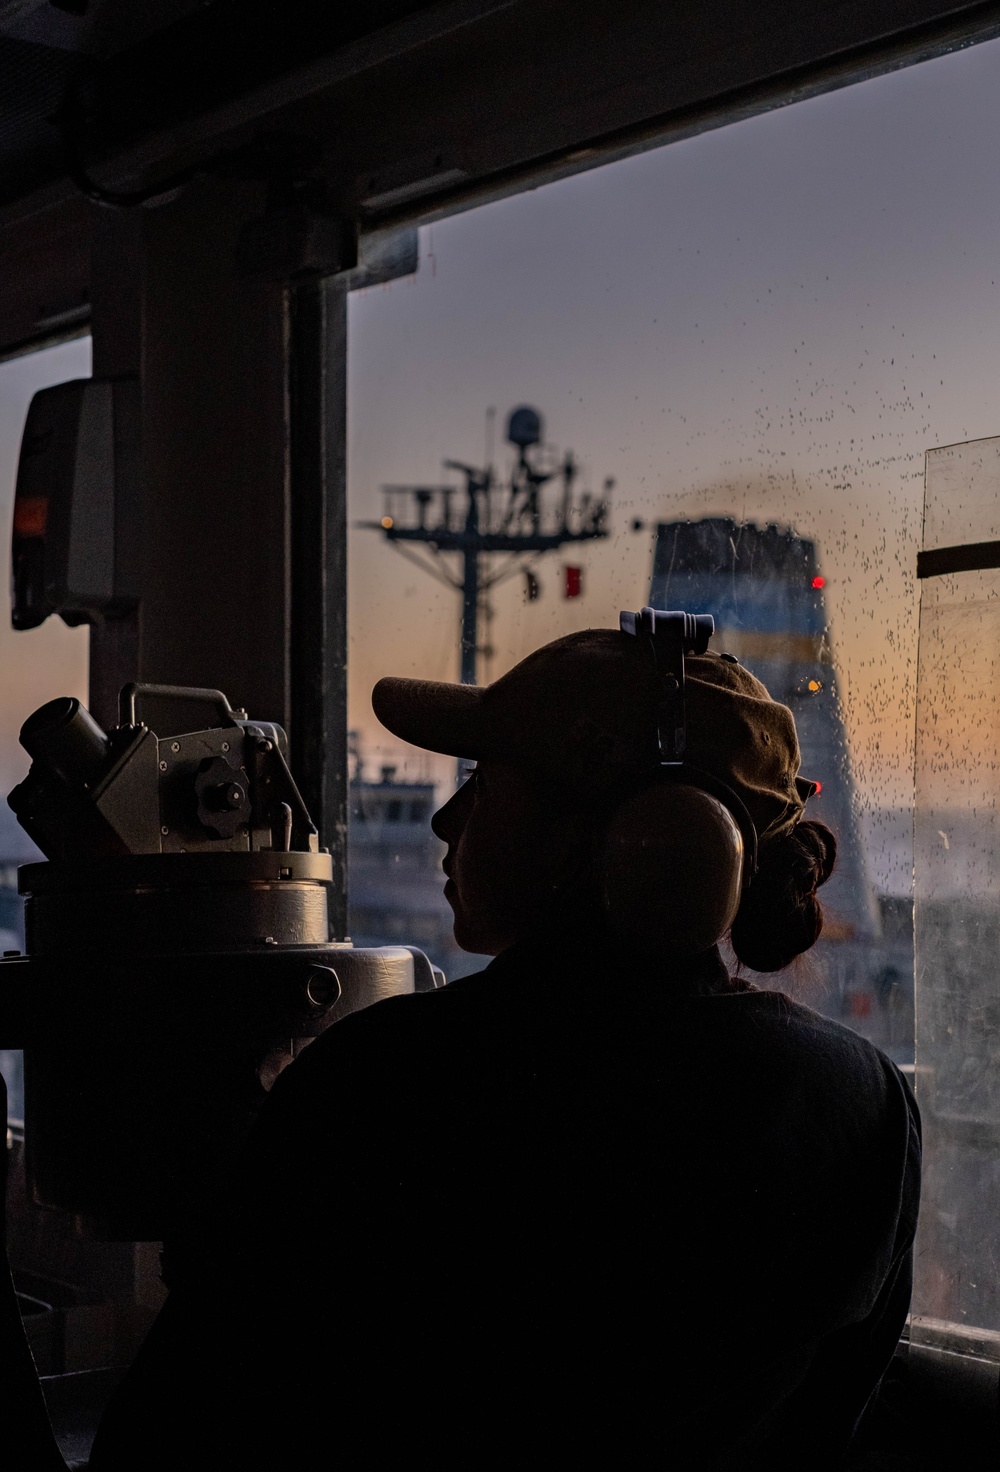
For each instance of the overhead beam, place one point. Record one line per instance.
(955, 32)
(475, 96)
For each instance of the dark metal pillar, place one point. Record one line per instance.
(206, 348)
(318, 403)
(117, 283)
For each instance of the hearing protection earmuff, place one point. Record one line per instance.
(677, 854)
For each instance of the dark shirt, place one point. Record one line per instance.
(573, 1207)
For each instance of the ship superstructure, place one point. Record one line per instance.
(397, 884)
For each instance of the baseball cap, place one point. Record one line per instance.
(580, 713)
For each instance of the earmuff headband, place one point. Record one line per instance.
(669, 636)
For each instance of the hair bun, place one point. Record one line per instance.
(780, 916)
(815, 839)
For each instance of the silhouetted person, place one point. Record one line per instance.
(601, 1204)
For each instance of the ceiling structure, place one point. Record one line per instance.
(387, 112)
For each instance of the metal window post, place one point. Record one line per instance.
(318, 624)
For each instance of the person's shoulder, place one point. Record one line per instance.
(780, 1015)
(794, 1036)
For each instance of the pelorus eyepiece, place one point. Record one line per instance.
(64, 737)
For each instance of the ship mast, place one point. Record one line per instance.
(516, 520)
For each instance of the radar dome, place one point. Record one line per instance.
(524, 427)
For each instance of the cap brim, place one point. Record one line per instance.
(433, 714)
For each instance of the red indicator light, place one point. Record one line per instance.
(818, 788)
(574, 582)
(819, 582)
(31, 516)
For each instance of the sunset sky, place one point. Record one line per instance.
(772, 321)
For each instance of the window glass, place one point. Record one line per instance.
(957, 888)
(757, 333)
(35, 665)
